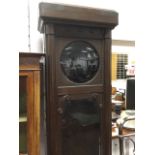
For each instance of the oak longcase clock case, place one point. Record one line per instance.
(77, 44)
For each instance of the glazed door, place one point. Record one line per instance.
(26, 113)
(80, 124)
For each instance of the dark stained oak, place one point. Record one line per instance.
(78, 81)
(57, 13)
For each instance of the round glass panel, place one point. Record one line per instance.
(79, 61)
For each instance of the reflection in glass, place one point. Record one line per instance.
(79, 61)
(22, 116)
(80, 127)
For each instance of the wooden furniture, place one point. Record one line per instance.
(77, 43)
(29, 103)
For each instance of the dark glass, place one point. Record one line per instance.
(22, 116)
(80, 127)
(79, 61)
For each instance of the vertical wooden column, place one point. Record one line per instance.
(107, 94)
(52, 120)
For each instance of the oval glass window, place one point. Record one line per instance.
(79, 61)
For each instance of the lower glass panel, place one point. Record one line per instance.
(23, 115)
(23, 138)
(80, 127)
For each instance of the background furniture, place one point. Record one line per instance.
(124, 131)
(30, 95)
(130, 93)
(77, 43)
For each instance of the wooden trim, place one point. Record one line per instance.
(59, 11)
(31, 54)
(52, 130)
(29, 68)
(75, 15)
(30, 61)
(86, 89)
(36, 80)
(107, 95)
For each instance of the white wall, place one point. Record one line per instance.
(124, 31)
